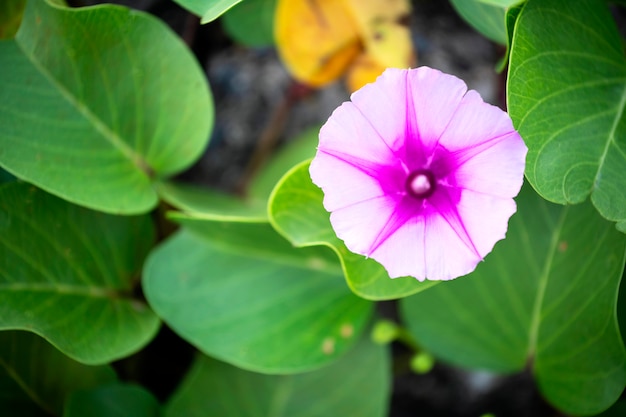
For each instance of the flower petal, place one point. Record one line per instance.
(348, 131)
(484, 220)
(343, 184)
(360, 225)
(497, 169)
(475, 122)
(382, 103)
(435, 97)
(403, 254)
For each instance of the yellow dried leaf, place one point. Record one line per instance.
(384, 30)
(316, 39)
(364, 70)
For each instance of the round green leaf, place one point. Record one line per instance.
(44, 373)
(208, 10)
(296, 211)
(274, 310)
(67, 274)
(566, 96)
(545, 296)
(93, 109)
(357, 385)
(251, 22)
(116, 400)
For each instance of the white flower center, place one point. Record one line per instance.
(420, 184)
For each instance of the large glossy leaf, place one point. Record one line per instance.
(357, 385)
(566, 96)
(208, 10)
(67, 274)
(296, 211)
(93, 109)
(113, 400)
(275, 309)
(44, 373)
(544, 298)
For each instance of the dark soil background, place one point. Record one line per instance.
(250, 89)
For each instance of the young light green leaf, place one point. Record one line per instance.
(357, 385)
(296, 211)
(208, 10)
(113, 400)
(545, 298)
(44, 373)
(275, 310)
(251, 22)
(92, 109)
(566, 96)
(67, 274)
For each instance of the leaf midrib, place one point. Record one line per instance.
(535, 321)
(23, 384)
(105, 131)
(62, 289)
(611, 137)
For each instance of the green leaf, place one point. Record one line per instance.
(208, 10)
(566, 96)
(617, 410)
(11, 12)
(242, 236)
(116, 400)
(251, 22)
(204, 202)
(275, 310)
(296, 212)
(502, 3)
(44, 373)
(13, 397)
(67, 274)
(93, 109)
(5, 176)
(512, 13)
(546, 297)
(488, 19)
(357, 385)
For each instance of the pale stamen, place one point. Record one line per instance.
(420, 184)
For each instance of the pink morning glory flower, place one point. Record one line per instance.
(419, 173)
